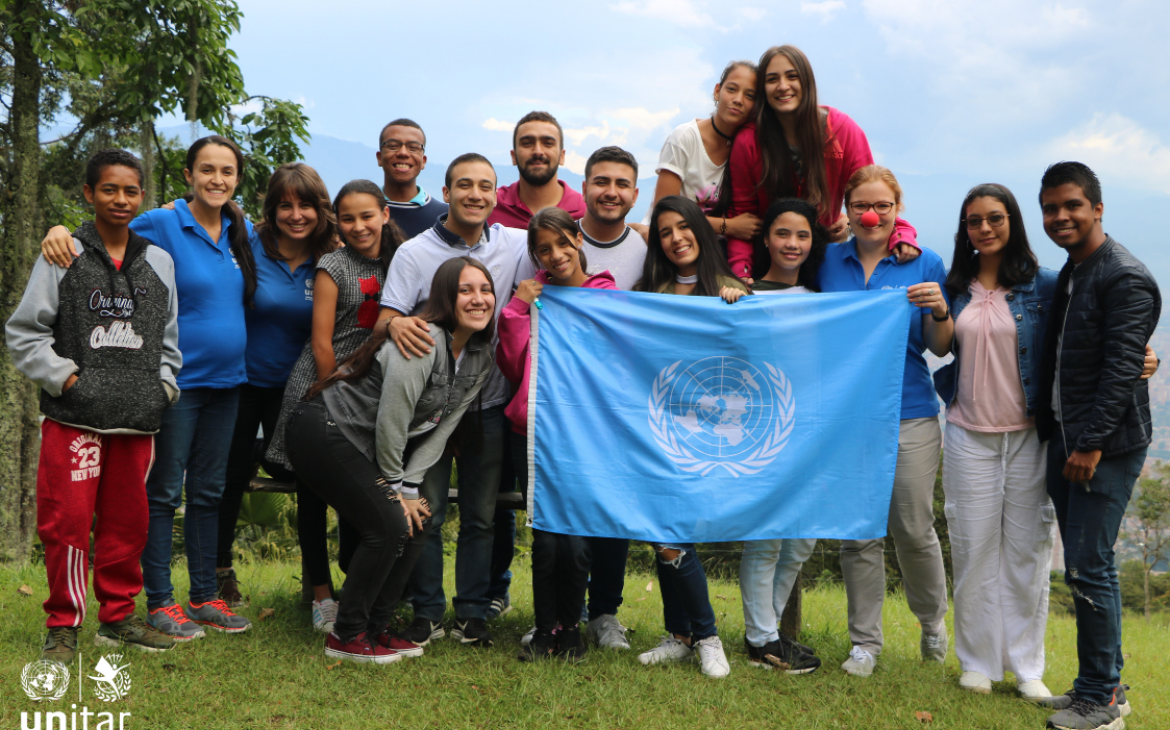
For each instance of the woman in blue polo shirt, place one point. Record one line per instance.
(872, 201)
(215, 279)
(298, 228)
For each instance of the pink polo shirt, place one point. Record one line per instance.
(990, 398)
(510, 211)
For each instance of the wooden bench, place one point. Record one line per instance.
(504, 500)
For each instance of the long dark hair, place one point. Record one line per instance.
(723, 202)
(392, 235)
(1018, 264)
(779, 169)
(304, 183)
(658, 270)
(439, 310)
(807, 276)
(556, 220)
(237, 226)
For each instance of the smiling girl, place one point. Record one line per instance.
(345, 308)
(560, 563)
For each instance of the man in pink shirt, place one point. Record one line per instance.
(538, 149)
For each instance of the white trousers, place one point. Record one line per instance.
(1000, 521)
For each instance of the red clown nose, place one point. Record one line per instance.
(870, 219)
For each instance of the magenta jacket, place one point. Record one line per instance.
(846, 151)
(512, 354)
(510, 211)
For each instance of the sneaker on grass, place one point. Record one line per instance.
(227, 589)
(1082, 714)
(216, 615)
(1064, 701)
(570, 646)
(783, 654)
(607, 633)
(499, 606)
(134, 631)
(669, 650)
(60, 645)
(422, 631)
(359, 649)
(472, 632)
(860, 662)
(540, 645)
(397, 644)
(172, 621)
(712, 659)
(324, 615)
(1032, 690)
(526, 639)
(976, 682)
(934, 646)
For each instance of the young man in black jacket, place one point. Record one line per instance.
(1095, 415)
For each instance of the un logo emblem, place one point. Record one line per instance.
(45, 680)
(721, 412)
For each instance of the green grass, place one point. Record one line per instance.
(276, 676)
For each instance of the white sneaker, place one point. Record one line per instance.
(1033, 690)
(670, 650)
(712, 660)
(324, 615)
(934, 646)
(526, 639)
(860, 662)
(975, 682)
(607, 632)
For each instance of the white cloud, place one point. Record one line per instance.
(251, 107)
(644, 119)
(826, 9)
(578, 135)
(679, 12)
(753, 14)
(1120, 148)
(575, 161)
(498, 125)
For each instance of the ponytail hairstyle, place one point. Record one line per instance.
(807, 276)
(237, 226)
(658, 270)
(440, 309)
(723, 202)
(392, 235)
(558, 221)
(779, 179)
(304, 183)
(1018, 264)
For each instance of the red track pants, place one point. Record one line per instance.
(82, 473)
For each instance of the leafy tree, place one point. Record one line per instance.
(1150, 513)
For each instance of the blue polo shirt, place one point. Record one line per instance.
(210, 287)
(280, 322)
(842, 271)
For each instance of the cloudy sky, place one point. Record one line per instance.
(950, 94)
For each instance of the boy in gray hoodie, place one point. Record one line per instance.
(101, 340)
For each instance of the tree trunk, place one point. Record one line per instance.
(19, 432)
(790, 621)
(150, 185)
(1146, 585)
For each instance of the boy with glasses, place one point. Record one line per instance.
(402, 148)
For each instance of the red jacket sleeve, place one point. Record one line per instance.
(515, 331)
(744, 168)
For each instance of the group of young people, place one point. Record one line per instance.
(378, 338)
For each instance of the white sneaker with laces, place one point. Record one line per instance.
(712, 659)
(1033, 690)
(860, 662)
(526, 639)
(976, 682)
(324, 615)
(607, 632)
(934, 646)
(670, 650)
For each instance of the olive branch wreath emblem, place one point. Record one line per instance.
(755, 462)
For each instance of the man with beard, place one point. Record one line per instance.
(611, 190)
(538, 149)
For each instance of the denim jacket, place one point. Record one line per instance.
(1030, 304)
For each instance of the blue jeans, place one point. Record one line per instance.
(479, 482)
(607, 576)
(195, 437)
(767, 572)
(686, 605)
(1089, 521)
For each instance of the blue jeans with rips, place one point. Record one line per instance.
(1089, 520)
(686, 605)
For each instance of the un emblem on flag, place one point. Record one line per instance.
(721, 412)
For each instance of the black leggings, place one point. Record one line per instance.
(343, 477)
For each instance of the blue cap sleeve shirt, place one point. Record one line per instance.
(842, 272)
(210, 286)
(281, 319)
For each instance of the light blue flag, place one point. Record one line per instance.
(671, 418)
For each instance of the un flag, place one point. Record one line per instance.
(685, 419)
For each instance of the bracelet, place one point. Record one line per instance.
(944, 318)
(723, 227)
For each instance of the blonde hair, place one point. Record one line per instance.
(874, 173)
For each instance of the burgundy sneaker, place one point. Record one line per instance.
(359, 649)
(389, 640)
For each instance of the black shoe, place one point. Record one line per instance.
(473, 631)
(783, 654)
(227, 588)
(570, 646)
(421, 631)
(541, 647)
(1085, 715)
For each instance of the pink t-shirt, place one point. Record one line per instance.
(990, 398)
(510, 211)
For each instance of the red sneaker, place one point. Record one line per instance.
(359, 649)
(397, 644)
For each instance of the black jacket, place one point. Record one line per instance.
(1107, 321)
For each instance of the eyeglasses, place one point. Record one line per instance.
(995, 220)
(393, 145)
(881, 208)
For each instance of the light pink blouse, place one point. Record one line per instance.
(990, 398)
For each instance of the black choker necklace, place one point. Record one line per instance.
(718, 132)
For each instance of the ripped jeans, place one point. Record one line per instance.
(686, 605)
